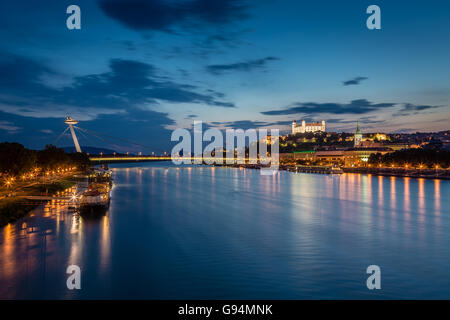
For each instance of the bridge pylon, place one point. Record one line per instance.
(70, 122)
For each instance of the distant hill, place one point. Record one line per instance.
(90, 150)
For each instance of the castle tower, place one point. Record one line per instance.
(323, 125)
(358, 135)
(294, 126)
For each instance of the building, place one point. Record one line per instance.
(360, 156)
(358, 136)
(330, 156)
(370, 144)
(347, 157)
(380, 137)
(308, 127)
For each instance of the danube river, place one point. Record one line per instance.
(205, 232)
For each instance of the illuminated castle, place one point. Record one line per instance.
(308, 127)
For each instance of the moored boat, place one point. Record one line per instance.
(94, 201)
(336, 170)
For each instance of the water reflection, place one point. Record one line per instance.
(31, 249)
(206, 232)
(437, 196)
(393, 195)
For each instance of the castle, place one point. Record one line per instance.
(308, 127)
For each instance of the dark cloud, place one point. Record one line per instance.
(165, 15)
(127, 84)
(240, 124)
(111, 102)
(360, 106)
(19, 73)
(240, 66)
(282, 123)
(412, 109)
(354, 81)
(249, 124)
(366, 120)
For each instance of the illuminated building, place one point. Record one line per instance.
(358, 136)
(308, 127)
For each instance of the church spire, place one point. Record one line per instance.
(358, 136)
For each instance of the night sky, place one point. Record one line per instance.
(139, 69)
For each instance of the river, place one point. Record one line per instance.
(199, 232)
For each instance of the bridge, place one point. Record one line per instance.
(114, 159)
(71, 125)
(100, 159)
(109, 159)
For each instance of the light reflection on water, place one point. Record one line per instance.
(206, 232)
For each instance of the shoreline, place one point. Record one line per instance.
(15, 207)
(443, 174)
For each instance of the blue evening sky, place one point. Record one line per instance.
(140, 68)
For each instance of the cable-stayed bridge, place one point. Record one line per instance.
(125, 157)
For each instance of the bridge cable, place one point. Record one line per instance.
(116, 138)
(60, 136)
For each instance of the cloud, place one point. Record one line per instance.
(240, 124)
(249, 124)
(8, 126)
(165, 15)
(354, 81)
(128, 84)
(409, 109)
(112, 102)
(360, 106)
(144, 127)
(246, 66)
(412, 107)
(366, 120)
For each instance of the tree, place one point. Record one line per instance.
(15, 159)
(52, 158)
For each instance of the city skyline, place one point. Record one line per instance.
(140, 71)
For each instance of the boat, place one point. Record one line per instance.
(101, 175)
(94, 201)
(336, 170)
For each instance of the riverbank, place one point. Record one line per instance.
(395, 172)
(14, 207)
(403, 172)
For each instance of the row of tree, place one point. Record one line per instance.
(426, 158)
(312, 140)
(15, 159)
